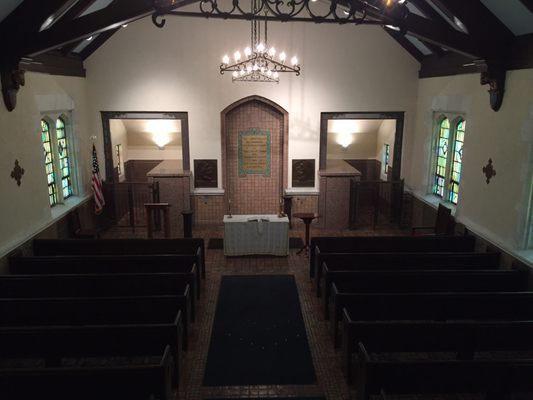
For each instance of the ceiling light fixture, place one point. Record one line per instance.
(260, 63)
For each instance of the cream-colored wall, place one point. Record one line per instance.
(386, 134)
(153, 153)
(344, 68)
(24, 210)
(363, 147)
(496, 210)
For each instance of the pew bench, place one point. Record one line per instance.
(57, 247)
(139, 382)
(63, 347)
(423, 281)
(489, 306)
(398, 244)
(107, 264)
(98, 285)
(403, 261)
(97, 311)
(497, 379)
(463, 338)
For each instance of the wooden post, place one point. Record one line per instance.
(156, 207)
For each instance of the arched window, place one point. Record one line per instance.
(442, 157)
(64, 160)
(447, 167)
(457, 162)
(49, 161)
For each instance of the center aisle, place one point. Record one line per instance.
(258, 335)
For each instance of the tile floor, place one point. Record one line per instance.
(330, 381)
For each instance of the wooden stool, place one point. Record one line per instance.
(307, 218)
(156, 207)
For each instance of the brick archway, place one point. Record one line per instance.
(254, 193)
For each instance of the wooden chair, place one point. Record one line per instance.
(444, 224)
(77, 231)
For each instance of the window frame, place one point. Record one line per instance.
(51, 120)
(454, 121)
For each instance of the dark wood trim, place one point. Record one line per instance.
(399, 116)
(284, 138)
(54, 63)
(96, 43)
(520, 56)
(108, 146)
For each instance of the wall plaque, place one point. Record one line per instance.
(303, 173)
(254, 152)
(205, 174)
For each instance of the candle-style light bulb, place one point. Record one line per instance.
(294, 61)
(237, 56)
(282, 56)
(247, 52)
(225, 59)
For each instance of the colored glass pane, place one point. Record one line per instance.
(49, 162)
(442, 155)
(457, 162)
(63, 152)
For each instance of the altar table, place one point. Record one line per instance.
(256, 235)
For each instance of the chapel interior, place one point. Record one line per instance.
(266, 199)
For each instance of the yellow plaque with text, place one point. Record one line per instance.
(254, 152)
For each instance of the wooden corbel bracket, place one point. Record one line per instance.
(494, 74)
(12, 78)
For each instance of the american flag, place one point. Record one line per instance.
(96, 184)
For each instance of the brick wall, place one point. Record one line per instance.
(209, 210)
(254, 194)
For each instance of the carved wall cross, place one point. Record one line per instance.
(17, 172)
(489, 171)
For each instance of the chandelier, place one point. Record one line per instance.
(258, 63)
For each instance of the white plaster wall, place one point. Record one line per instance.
(386, 134)
(363, 147)
(25, 210)
(344, 68)
(497, 210)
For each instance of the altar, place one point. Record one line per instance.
(256, 235)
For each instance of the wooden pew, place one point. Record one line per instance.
(404, 261)
(461, 337)
(52, 345)
(106, 264)
(74, 247)
(496, 378)
(432, 307)
(398, 244)
(427, 281)
(81, 311)
(97, 285)
(168, 333)
(139, 382)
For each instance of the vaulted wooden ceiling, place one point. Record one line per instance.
(445, 36)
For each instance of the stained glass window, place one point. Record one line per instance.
(387, 157)
(64, 160)
(49, 162)
(457, 161)
(441, 156)
(118, 150)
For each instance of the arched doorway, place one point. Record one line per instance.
(254, 151)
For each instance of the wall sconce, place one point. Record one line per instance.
(161, 139)
(345, 139)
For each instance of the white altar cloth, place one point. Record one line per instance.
(256, 234)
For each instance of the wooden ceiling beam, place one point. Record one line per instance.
(528, 4)
(55, 63)
(79, 8)
(486, 30)
(64, 32)
(441, 34)
(96, 43)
